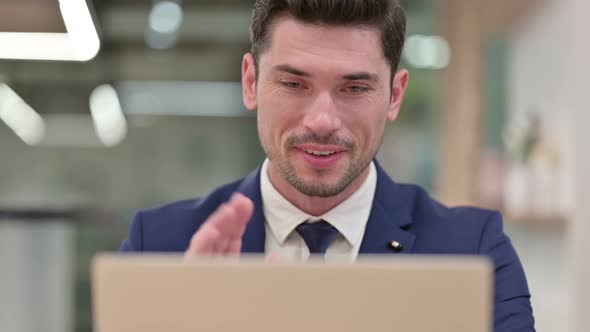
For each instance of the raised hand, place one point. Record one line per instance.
(221, 234)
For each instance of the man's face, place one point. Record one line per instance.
(323, 96)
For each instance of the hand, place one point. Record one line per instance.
(221, 234)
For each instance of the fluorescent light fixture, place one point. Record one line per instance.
(80, 43)
(164, 23)
(166, 17)
(109, 121)
(427, 52)
(20, 117)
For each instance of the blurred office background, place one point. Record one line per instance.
(139, 104)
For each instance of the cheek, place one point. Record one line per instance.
(266, 127)
(279, 114)
(367, 122)
(274, 124)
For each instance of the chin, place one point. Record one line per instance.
(318, 190)
(320, 176)
(319, 185)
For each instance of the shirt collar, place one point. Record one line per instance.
(349, 217)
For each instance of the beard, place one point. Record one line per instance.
(319, 187)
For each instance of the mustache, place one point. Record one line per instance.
(313, 138)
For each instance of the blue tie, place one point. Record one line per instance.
(317, 235)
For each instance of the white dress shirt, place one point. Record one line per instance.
(349, 218)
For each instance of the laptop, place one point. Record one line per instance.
(411, 293)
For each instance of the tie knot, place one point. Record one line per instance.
(317, 235)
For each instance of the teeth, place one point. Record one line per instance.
(320, 153)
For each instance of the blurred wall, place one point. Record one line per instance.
(162, 159)
(540, 88)
(548, 76)
(579, 72)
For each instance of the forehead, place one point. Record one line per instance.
(318, 47)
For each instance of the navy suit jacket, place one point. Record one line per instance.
(400, 212)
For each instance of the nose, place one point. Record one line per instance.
(321, 117)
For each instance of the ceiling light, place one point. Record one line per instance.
(165, 17)
(109, 121)
(164, 23)
(80, 43)
(427, 52)
(20, 117)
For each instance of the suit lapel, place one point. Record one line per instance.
(390, 217)
(254, 236)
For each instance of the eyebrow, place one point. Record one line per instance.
(291, 70)
(359, 76)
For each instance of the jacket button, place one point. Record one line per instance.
(396, 246)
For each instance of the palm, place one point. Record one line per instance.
(222, 232)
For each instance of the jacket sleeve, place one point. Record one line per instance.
(134, 242)
(512, 310)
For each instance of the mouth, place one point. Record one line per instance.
(320, 150)
(321, 157)
(320, 153)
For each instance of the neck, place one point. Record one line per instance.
(315, 206)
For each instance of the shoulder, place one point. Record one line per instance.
(444, 229)
(440, 229)
(169, 227)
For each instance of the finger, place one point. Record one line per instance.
(227, 221)
(234, 248)
(203, 242)
(206, 238)
(244, 208)
(240, 209)
(221, 245)
(234, 216)
(222, 232)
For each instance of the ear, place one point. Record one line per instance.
(398, 90)
(249, 82)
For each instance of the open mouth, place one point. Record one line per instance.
(322, 157)
(320, 153)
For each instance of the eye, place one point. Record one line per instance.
(356, 89)
(291, 85)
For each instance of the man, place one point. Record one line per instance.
(323, 78)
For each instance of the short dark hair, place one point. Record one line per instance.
(387, 16)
